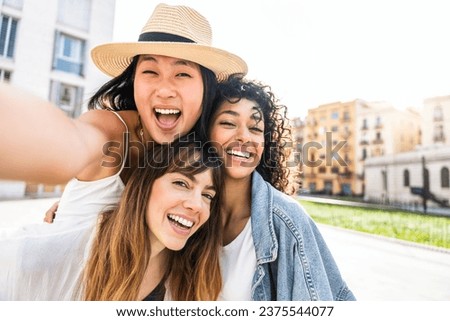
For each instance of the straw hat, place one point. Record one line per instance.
(174, 31)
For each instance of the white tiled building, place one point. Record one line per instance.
(45, 48)
(389, 179)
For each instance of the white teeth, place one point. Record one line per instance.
(238, 153)
(181, 220)
(167, 111)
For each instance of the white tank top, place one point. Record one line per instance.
(45, 261)
(238, 264)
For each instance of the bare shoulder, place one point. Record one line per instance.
(112, 124)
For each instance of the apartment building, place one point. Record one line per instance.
(44, 48)
(298, 130)
(436, 121)
(328, 152)
(384, 130)
(401, 178)
(340, 137)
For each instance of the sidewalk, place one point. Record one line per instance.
(383, 269)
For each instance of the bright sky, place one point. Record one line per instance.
(313, 52)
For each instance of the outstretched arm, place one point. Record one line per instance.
(38, 142)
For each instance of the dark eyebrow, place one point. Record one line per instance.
(192, 178)
(180, 62)
(229, 112)
(211, 188)
(185, 63)
(148, 58)
(256, 116)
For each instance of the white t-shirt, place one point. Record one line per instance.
(238, 264)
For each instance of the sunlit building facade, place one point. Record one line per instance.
(44, 49)
(328, 153)
(401, 178)
(340, 137)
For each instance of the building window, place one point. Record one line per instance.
(346, 116)
(445, 178)
(406, 178)
(439, 133)
(328, 187)
(69, 54)
(437, 113)
(364, 125)
(5, 75)
(8, 29)
(378, 122)
(335, 115)
(346, 189)
(364, 154)
(67, 97)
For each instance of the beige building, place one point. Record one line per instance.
(339, 137)
(384, 130)
(328, 152)
(294, 159)
(44, 48)
(297, 130)
(436, 121)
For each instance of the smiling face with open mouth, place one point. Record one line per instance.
(178, 206)
(168, 93)
(238, 133)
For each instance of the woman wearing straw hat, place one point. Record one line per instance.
(163, 86)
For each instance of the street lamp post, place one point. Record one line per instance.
(426, 185)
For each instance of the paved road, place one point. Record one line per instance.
(375, 268)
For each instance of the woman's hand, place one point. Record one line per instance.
(51, 213)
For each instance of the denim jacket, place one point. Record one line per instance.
(293, 261)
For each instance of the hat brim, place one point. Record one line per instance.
(114, 58)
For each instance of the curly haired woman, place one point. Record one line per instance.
(272, 249)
